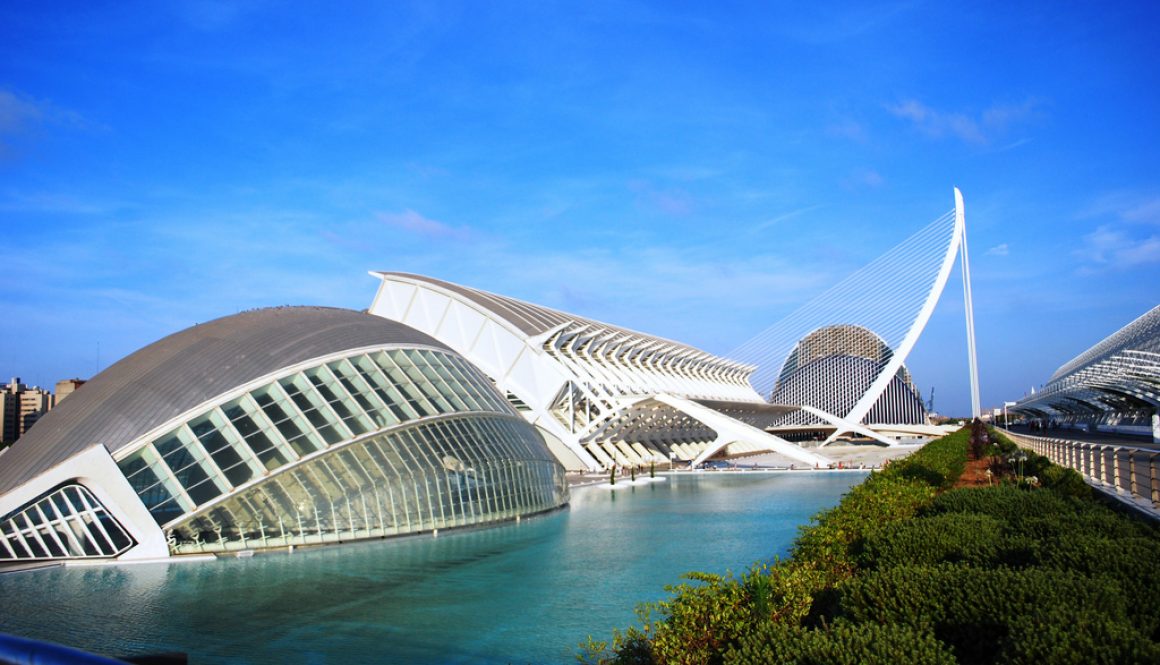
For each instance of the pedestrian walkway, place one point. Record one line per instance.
(1078, 435)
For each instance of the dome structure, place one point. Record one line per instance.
(831, 368)
(270, 428)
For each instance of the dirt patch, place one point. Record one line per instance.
(975, 474)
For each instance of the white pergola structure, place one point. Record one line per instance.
(1113, 386)
(601, 395)
(892, 299)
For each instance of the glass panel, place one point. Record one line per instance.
(292, 429)
(373, 370)
(313, 408)
(223, 454)
(358, 388)
(145, 482)
(339, 401)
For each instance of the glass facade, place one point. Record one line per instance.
(378, 443)
(438, 474)
(68, 522)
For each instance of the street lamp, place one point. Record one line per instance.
(1006, 425)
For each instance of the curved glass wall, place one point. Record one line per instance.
(198, 478)
(67, 523)
(438, 474)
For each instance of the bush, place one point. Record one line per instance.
(1128, 561)
(980, 439)
(900, 573)
(938, 463)
(841, 644)
(711, 613)
(1000, 615)
(946, 538)
(1065, 481)
(832, 541)
(1005, 503)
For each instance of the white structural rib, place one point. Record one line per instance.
(587, 385)
(885, 297)
(843, 425)
(961, 225)
(729, 431)
(863, 406)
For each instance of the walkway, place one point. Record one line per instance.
(1069, 434)
(1127, 472)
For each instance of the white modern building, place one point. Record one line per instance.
(832, 368)
(273, 428)
(1112, 387)
(604, 395)
(842, 355)
(601, 395)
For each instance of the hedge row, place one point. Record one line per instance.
(842, 644)
(905, 570)
(990, 615)
(892, 495)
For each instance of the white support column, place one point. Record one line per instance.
(729, 430)
(886, 375)
(842, 426)
(968, 306)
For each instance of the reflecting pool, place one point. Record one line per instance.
(522, 593)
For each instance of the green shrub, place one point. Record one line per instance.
(1065, 481)
(900, 573)
(946, 538)
(1005, 502)
(1001, 443)
(994, 615)
(841, 644)
(892, 495)
(938, 463)
(833, 539)
(1042, 514)
(702, 620)
(1131, 562)
(709, 613)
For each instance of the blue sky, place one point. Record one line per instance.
(690, 171)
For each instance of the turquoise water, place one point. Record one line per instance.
(521, 593)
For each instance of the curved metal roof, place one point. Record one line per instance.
(528, 318)
(1143, 334)
(1120, 373)
(175, 374)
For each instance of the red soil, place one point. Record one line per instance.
(975, 474)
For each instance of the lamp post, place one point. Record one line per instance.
(1006, 425)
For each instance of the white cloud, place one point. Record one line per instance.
(21, 115)
(975, 129)
(413, 222)
(848, 129)
(1125, 206)
(1113, 248)
(863, 178)
(213, 15)
(999, 250)
(675, 202)
(785, 217)
(17, 112)
(1123, 238)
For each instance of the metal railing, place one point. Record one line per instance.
(1127, 472)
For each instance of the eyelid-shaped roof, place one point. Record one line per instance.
(1142, 334)
(528, 318)
(177, 373)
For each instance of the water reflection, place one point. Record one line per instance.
(518, 592)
